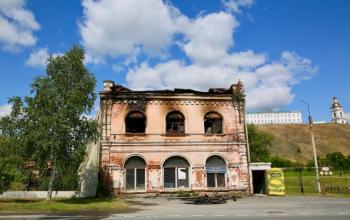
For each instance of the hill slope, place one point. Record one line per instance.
(288, 138)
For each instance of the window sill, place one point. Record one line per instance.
(175, 135)
(214, 135)
(134, 134)
(177, 189)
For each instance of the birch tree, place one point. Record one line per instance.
(56, 132)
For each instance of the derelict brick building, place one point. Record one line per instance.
(169, 140)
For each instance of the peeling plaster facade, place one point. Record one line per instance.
(155, 145)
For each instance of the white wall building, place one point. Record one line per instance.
(260, 118)
(338, 115)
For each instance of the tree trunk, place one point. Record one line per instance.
(52, 180)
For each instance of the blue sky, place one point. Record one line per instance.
(283, 51)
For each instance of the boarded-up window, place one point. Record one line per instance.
(135, 174)
(135, 122)
(212, 123)
(216, 170)
(176, 173)
(175, 123)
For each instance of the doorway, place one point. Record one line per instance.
(259, 182)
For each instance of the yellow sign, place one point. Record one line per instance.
(275, 182)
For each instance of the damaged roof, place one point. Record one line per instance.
(122, 89)
(111, 88)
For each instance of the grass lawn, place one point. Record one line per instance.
(62, 205)
(336, 185)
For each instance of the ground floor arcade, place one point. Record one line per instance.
(177, 172)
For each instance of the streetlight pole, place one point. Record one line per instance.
(313, 147)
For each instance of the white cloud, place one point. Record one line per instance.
(38, 58)
(300, 66)
(208, 37)
(268, 86)
(119, 27)
(235, 5)
(126, 29)
(17, 25)
(5, 110)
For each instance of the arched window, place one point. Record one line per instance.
(175, 123)
(135, 122)
(216, 170)
(176, 172)
(212, 123)
(135, 173)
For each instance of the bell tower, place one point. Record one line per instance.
(337, 110)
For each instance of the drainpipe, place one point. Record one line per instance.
(247, 149)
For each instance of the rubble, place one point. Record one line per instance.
(206, 199)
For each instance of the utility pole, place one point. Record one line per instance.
(300, 168)
(313, 147)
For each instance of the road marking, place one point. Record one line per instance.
(176, 215)
(263, 214)
(219, 215)
(324, 213)
(241, 215)
(197, 215)
(284, 214)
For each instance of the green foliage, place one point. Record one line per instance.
(338, 160)
(6, 176)
(11, 160)
(103, 191)
(259, 143)
(276, 161)
(53, 131)
(55, 128)
(92, 205)
(310, 163)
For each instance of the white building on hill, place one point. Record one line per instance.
(269, 117)
(338, 115)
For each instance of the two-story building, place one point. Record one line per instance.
(169, 140)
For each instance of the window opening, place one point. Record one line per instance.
(135, 174)
(135, 122)
(175, 123)
(176, 173)
(212, 123)
(216, 170)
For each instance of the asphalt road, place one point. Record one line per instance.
(307, 208)
(247, 208)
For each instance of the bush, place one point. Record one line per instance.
(259, 143)
(276, 161)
